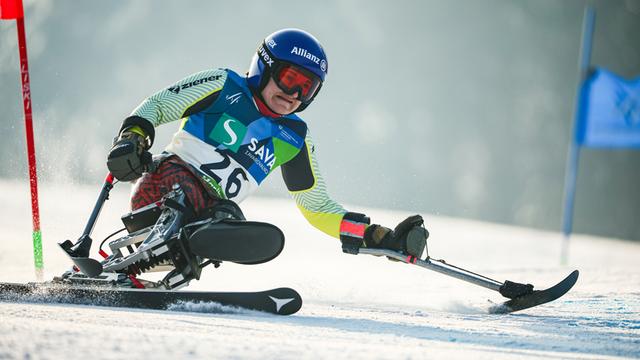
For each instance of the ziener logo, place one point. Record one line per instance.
(176, 88)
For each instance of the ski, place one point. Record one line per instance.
(537, 297)
(280, 301)
(522, 296)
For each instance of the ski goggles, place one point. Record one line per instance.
(292, 79)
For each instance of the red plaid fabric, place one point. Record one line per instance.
(151, 187)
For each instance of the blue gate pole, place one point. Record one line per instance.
(573, 156)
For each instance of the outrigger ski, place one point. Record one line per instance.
(537, 297)
(522, 296)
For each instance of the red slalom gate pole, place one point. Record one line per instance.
(31, 151)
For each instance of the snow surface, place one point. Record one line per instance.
(354, 306)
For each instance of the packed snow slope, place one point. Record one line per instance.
(355, 306)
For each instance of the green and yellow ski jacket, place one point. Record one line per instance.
(233, 147)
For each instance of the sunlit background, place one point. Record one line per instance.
(461, 108)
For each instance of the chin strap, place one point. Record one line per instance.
(352, 229)
(264, 108)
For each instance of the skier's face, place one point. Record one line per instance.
(279, 101)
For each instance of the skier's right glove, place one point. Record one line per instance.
(129, 158)
(408, 237)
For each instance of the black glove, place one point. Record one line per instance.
(409, 237)
(129, 158)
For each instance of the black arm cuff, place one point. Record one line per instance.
(144, 124)
(352, 230)
(297, 173)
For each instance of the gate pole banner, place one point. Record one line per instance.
(11, 9)
(609, 112)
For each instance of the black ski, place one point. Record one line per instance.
(537, 297)
(280, 301)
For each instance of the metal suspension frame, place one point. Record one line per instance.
(149, 242)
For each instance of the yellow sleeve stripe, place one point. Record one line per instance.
(327, 223)
(315, 203)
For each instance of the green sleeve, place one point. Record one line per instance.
(175, 102)
(306, 185)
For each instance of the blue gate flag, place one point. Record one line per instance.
(609, 111)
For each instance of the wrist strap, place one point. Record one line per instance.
(145, 125)
(352, 230)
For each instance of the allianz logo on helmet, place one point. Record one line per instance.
(306, 54)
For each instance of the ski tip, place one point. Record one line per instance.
(287, 301)
(537, 297)
(571, 279)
